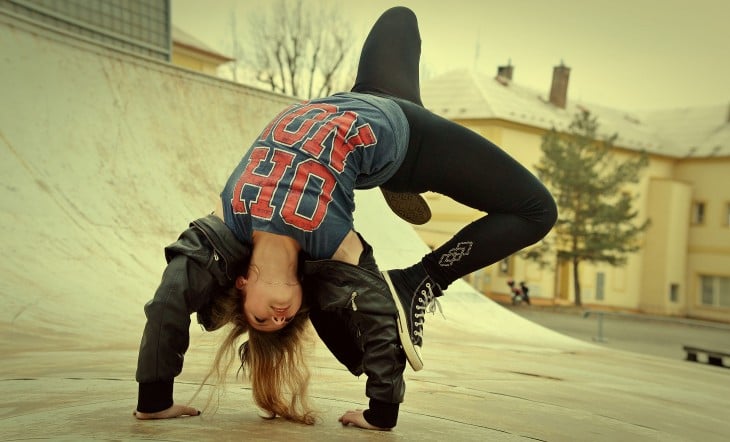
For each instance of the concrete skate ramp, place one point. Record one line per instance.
(105, 158)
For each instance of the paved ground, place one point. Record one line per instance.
(105, 158)
(648, 335)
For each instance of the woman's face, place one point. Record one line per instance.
(269, 306)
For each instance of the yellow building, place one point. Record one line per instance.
(683, 267)
(191, 53)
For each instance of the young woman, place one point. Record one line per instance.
(285, 223)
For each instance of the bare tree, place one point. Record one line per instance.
(236, 49)
(298, 49)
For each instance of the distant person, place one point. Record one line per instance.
(525, 292)
(281, 249)
(515, 293)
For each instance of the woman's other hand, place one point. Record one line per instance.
(174, 411)
(356, 418)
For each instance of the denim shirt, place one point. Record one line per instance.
(299, 176)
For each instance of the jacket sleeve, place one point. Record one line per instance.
(202, 262)
(383, 362)
(361, 297)
(184, 289)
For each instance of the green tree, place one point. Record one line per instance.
(596, 221)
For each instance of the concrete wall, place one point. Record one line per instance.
(104, 159)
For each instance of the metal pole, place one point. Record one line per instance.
(600, 337)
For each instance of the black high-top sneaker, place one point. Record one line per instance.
(414, 293)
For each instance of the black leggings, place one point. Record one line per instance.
(449, 159)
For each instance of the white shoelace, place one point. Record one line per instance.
(427, 303)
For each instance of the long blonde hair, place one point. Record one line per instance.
(273, 361)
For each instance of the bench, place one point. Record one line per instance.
(713, 357)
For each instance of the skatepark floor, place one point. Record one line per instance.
(105, 157)
(476, 385)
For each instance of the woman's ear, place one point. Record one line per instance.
(241, 281)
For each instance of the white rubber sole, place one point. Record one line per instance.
(413, 352)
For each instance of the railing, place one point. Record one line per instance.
(599, 336)
(600, 314)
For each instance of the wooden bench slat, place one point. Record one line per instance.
(713, 357)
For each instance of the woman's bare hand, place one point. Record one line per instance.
(356, 418)
(174, 411)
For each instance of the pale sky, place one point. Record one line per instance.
(626, 54)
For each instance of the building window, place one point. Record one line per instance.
(715, 291)
(698, 213)
(140, 26)
(674, 292)
(504, 267)
(600, 285)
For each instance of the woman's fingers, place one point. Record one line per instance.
(188, 411)
(357, 418)
(349, 416)
(174, 411)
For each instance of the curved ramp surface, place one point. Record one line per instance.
(105, 158)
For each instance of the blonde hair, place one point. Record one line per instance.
(273, 361)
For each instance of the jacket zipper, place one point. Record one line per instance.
(214, 246)
(352, 300)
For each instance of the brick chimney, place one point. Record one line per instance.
(559, 88)
(505, 71)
